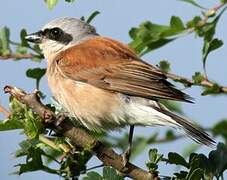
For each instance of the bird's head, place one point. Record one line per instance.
(60, 34)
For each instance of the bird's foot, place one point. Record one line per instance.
(60, 117)
(126, 155)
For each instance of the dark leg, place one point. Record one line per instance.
(60, 117)
(127, 153)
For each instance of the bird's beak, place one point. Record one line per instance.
(34, 37)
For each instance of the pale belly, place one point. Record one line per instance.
(98, 109)
(93, 107)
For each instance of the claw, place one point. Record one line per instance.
(60, 118)
(126, 155)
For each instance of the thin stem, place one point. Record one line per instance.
(202, 22)
(204, 83)
(92, 168)
(17, 56)
(18, 44)
(48, 142)
(164, 140)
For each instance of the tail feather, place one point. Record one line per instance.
(195, 133)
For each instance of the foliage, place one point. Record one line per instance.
(108, 173)
(39, 150)
(197, 167)
(52, 3)
(37, 74)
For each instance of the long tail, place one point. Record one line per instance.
(194, 132)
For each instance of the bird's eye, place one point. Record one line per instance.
(55, 33)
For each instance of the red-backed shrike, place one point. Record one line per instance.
(104, 84)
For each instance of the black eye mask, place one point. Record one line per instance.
(57, 34)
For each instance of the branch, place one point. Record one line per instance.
(204, 83)
(17, 56)
(207, 14)
(79, 137)
(164, 139)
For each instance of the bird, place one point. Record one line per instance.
(105, 85)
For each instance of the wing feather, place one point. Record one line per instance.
(99, 62)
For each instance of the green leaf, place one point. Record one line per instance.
(208, 30)
(37, 49)
(33, 126)
(147, 31)
(10, 124)
(110, 174)
(153, 153)
(23, 47)
(133, 32)
(172, 105)
(51, 3)
(218, 159)
(21, 50)
(193, 3)
(22, 117)
(69, 1)
(220, 129)
(181, 175)
(176, 23)
(210, 44)
(154, 158)
(82, 18)
(175, 158)
(187, 150)
(196, 174)
(164, 66)
(155, 45)
(194, 22)
(92, 176)
(198, 77)
(152, 138)
(215, 89)
(36, 73)
(149, 36)
(209, 47)
(53, 154)
(32, 151)
(169, 135)
(139, 144)
(34, 160)
(17, 116)
(33, 165)
(200, 161)
(4, 36)
(152, 166)
(26, 146)
(92, 16)
(23, 34)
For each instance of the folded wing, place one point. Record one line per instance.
(110, 65)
